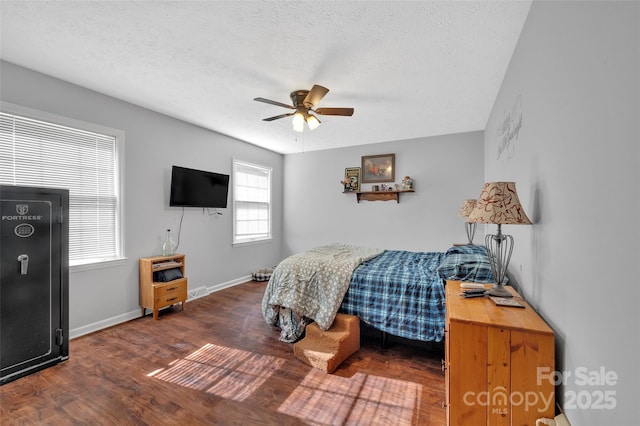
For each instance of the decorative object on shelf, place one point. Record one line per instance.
(346, 183)
(499, 204)
(465, 211)
(378, 168)
(168, 246)
(351, 179)
(407, 183)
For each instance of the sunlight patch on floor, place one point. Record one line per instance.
(362, 399)
(225, 372)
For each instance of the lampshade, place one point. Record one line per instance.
(499, 204)
(467, 208)
(312, 121)
(298, 122)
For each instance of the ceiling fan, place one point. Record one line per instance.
(303, 103)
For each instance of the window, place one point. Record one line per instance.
(51, 154)
(251, 202)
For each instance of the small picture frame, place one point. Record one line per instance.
(378, 168)
(352, 174)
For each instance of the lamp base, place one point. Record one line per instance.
(471, 231)
(499, 291)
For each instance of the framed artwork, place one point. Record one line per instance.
(378, 168)
(352, 175)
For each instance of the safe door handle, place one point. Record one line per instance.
(24, 263)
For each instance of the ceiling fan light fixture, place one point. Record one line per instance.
(303, 102)
(312, 121)
(298, 122)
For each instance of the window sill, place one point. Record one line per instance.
(251, 242)
(98, 264)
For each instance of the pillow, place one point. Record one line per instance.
(466, 263)
(468, 249)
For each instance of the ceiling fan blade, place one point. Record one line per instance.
(315, 95)
(276, 103)
(335, 111)
(278, 116)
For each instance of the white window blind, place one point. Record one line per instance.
(252, 202)
(43, 154)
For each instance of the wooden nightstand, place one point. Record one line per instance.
(498, 361)
(156, 294)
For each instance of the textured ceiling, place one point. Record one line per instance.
(410, 69)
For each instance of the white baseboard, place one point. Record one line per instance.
(228, 284)
(105, 323)
(128, 316)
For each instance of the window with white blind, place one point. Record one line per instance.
(251, 202)
(41, 153)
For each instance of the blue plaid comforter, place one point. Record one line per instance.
(401, 293)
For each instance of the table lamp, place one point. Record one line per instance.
(499, 204)
(465, 211)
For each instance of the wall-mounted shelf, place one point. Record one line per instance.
(379, 195)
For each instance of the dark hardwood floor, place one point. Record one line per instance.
(218, 362)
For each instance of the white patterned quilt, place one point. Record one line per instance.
(313, 283)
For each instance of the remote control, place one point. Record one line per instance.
(470, 295)
(472, 285)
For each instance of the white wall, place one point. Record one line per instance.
(576, 160)
(154, 142)
(446, 171)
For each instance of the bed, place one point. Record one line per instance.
(397, 292)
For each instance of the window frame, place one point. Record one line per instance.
(119, 135)
(248, 241)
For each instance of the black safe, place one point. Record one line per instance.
(34, 279)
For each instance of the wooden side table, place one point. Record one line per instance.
(155, 294)
(498, 361)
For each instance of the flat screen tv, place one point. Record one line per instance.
(197, 188)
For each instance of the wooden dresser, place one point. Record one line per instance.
(498, 361)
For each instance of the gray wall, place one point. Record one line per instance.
(154, 142)
(446, 170)
(575, 158)
(576, 161)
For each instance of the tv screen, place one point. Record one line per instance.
(197, 188)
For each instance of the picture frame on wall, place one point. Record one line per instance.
(352, 174)
(378, 168)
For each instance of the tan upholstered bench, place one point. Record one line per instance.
(325, 350)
